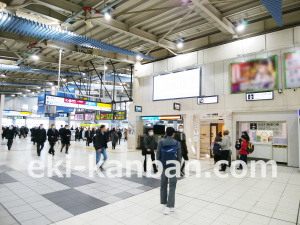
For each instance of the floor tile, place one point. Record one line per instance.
(37, 221)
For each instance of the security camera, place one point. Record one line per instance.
(280, 91)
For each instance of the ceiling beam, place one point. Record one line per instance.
(211, 11)
(62, 5)
(57, 45)
(134, 32)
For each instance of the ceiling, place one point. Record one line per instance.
(150, 27)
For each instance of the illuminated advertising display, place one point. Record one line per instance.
(254, 75)
(182, 84)
(292, 69)
(76, 103)
(161, 117)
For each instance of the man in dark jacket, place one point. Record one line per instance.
(52, 138)
(150, 145)
(89, 136)
(120, 135)
(9, 135)
(180, 137)
(100, 144)
(60, 131)
(33, 134)
(166, 198)
(41, 138)
(65, 139)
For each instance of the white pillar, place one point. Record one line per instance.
(2, 98)
(15, 104)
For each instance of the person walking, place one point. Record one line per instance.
(171, 149)
(66, 134)
(60, 131)
(218, 138)
(77, 134)
(149, 147)
(226, 148)
(125, 135)
(33, 134)
(243, 151)
(53, 135)
(120, 136)
(100, 144)
(180, 137)
(26, 131)
(114, 138)
(41, 138)
(88, 136)
(9, 135)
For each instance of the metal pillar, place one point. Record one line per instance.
(2, 98)
(59, 65)
(131, 86)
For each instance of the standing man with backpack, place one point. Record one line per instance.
(169, 149)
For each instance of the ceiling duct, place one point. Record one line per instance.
(34, 70)
(14, 24)
(23, 84)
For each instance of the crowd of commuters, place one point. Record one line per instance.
(172, 147)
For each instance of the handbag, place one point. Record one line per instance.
(217, 150)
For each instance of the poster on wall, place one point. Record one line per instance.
(292, 69)
(254, 75)
(275, 126)
(131, 128)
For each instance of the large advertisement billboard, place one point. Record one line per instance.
(292, 69)
(183, 84)
(254, 75)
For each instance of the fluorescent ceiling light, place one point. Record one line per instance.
(180, 43)
(107, 15)
(138, 58)
(35, 57)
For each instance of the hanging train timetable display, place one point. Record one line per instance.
(121, 115)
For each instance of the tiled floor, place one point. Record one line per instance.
(82, 199)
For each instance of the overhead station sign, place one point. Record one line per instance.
(15, 113)
(208, 99)
(179, 117)
(76, 103)
(257, 96)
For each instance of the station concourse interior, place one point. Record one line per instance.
(92, 92)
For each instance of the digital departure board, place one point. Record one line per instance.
(120, 115)
(106, 116)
